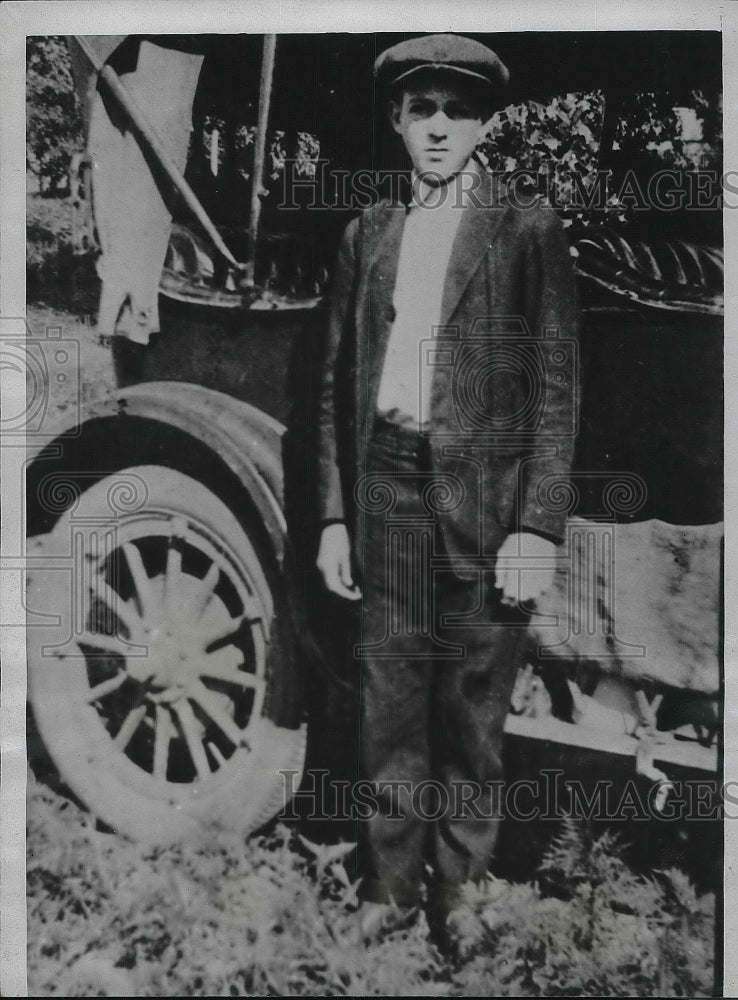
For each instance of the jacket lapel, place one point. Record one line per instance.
(374, 311)
(474, 237)
(384, 239)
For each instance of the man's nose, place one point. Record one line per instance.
(438, 125)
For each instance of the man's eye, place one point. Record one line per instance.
(460, 111)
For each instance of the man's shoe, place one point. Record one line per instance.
(379, 919)
(374, 919)
(455, 915)
(463, 932)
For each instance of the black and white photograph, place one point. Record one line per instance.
(363, 502)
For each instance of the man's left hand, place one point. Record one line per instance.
(525, 568)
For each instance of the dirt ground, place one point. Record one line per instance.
(94, 376)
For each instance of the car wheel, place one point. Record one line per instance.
(154, 683)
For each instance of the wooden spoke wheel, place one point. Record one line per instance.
(150, 693)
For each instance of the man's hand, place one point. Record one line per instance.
(334, 562)
(523, 572)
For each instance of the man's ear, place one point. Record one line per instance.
(486, 127)
(395, 113)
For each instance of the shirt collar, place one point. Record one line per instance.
(451, 192)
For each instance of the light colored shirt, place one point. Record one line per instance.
(431, 225)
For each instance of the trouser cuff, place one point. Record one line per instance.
(391, 889)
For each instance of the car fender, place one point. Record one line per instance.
(246, 439)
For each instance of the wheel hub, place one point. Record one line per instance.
(175, 656)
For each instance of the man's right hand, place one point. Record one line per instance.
(334, 562)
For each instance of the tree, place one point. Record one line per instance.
(557, 143)
(54, 126)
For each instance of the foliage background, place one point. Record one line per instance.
(562, 135)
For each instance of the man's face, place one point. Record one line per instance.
(440, 124)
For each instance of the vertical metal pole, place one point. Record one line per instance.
(614, 106)
(265, 95)
(214, 151)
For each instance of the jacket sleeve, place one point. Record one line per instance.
(340, 326)
(552, 316)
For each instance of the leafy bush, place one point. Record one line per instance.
(605, 931)
(55, 274)
(652, 129)
(559, 143)
(561, 138)
(54, 128)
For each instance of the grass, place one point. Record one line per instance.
(276, 916)
(224, 918)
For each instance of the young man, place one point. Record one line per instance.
(443, 429)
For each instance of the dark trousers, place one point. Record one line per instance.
(438, 657)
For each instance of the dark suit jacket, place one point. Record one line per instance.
(504, 386)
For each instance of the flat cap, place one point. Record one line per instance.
(450, 53)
